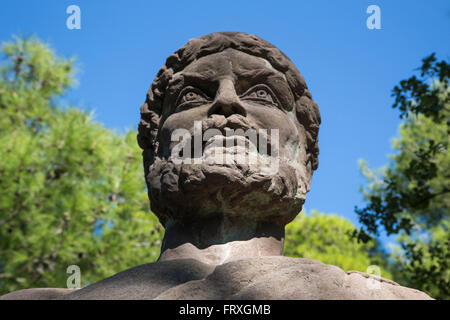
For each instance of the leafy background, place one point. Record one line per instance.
(72, 189)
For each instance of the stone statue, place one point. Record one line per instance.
(229, 133)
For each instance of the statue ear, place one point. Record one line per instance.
(147, 134)
(308, 115)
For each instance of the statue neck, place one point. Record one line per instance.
(219, 240)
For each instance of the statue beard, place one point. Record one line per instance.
(186, 192)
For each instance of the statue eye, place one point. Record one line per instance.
(260, 93)
(263, 94)
(190, 97)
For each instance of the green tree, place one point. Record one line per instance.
(328, 239)
(410, 197)
(71, 191)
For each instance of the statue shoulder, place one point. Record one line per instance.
(142, 282)
(145, 281)
(262, 278)
(37, 294)
(286, 278)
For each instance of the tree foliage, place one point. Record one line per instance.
(328, 239)
(410, 197)
(72, 192)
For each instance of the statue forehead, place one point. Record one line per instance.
(227, 62)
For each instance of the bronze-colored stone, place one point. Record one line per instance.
(224, 222)
(203, 206)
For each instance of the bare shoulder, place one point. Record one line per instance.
(37, 294)
(262, 278)
(382, 288)
(144, 282)
(284, 278)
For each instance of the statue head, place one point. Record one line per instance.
(212, 90)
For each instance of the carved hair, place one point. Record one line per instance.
(307, 111)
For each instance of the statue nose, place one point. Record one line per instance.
(227, 102)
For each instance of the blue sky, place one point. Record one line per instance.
(349, 69)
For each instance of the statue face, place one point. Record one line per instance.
(227, 91)
(234, 86)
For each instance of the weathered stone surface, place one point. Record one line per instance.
(224, 222)
(265, 278)
(146, 281)
(288, 279)
(36, 294)
(229, 81)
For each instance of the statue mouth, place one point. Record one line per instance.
(235, 150)
(230, 142)
(217, 136)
